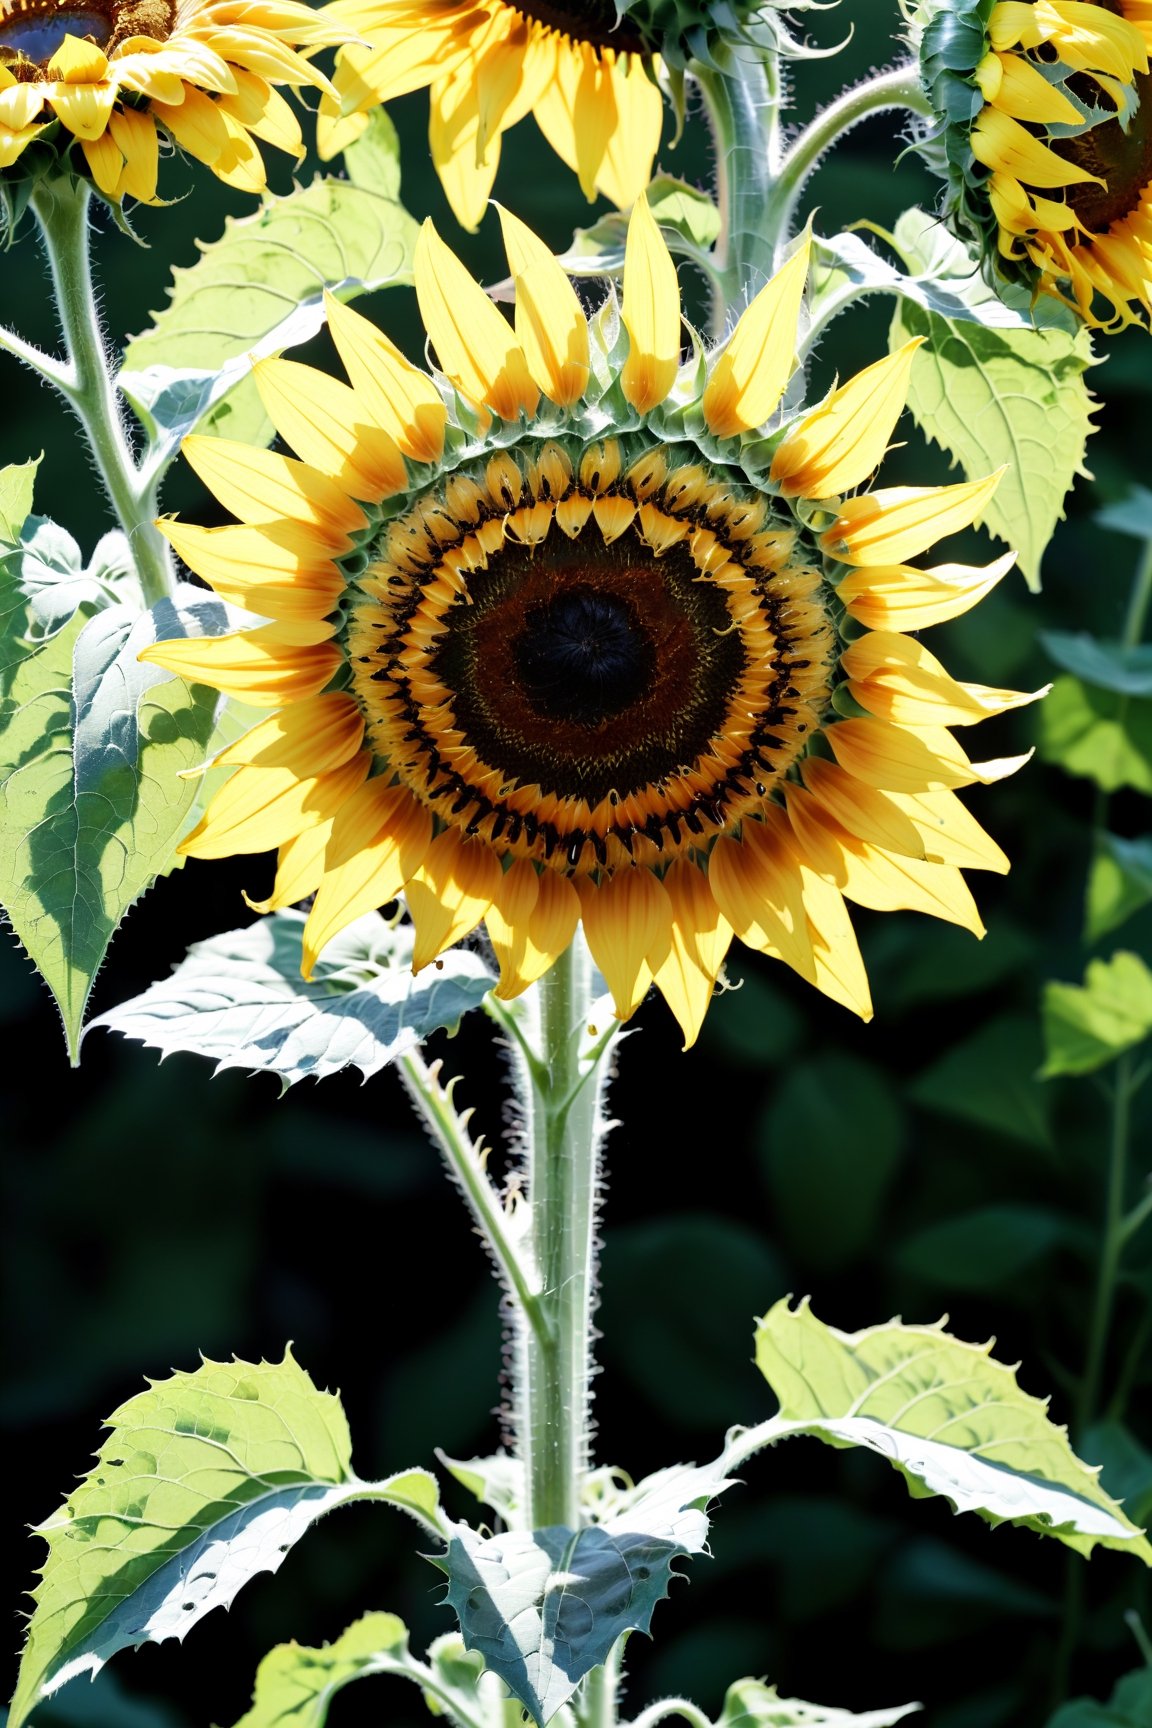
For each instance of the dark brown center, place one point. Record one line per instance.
(1123, 160)
(595, 22)
(32, 31)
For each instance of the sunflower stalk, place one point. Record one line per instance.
(61, 207)
(741, 95)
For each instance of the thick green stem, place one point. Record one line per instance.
(742, 99)
(61, 208)
(900, 88)
(1112, 1246)
(1139, 600)
(554, 1371)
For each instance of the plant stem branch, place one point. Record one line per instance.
(742, 98)
(1112, 1246)
(666, 1707)
(1139, 600)
(433, 1104)
(61, 209)
(53, 371)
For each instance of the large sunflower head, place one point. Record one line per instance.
(588, 72)
(1045, 135)
(573, 631)
(116, 75)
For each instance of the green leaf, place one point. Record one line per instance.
(1087, 1026)
(1104, 736)
(689, 218)
(1131, 514)
(990, 1079)
(296, 1684)
(992, 396)
(1119, 883)
(373, 159)
(496, 1481)
(16, 483)
(205, 1480)
(984, 1248)
(752, 1704)
(1125, 1466)
(1130, 1706)
(1107, 665)
(332, 234)
(239, 999)
(809, 1139)
(943, 1413)
(93, 744)
(545, 1607)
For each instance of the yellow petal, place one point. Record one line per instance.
(466, 167)
(450, 893)
(748, 378)
(951, 834)
(380, 837)
(259, 808)
(263, 111)
(474, 343)
(78, 61)
(900, 597)
(861, 809)
(896, 679)
(700, 939)
(626, 167)
(843, 441)
(251, 664)
(307, 737)
(651, 312)
(1007, 147)
(837, 965)
(326, 425)
(628, 926)
(897, 760)
(260, 486)
(898, 522)
(551, 326)
(402, 400)
(135, 136)
(760, 894)
(105, 161)
(262, 568)
(577, 110)
(527, 949)
(299, 870)
(1020, 89)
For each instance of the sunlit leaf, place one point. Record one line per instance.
(1087, 1026)
(752, 1704)
(373, 159)
(1119, 883)
(205, 1480)
(545, 1607)
(1100, 734)
(239, 999)
(331, 234)
(295, 1684)
(16, 484)
(947, 1416)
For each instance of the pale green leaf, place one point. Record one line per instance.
(1119, 883)
(497, 1481)
(295, 1684)
(205, 1480)
(752, 1704)
(946, 1415)
(373, 159)
(16, 484)
(1130, 1706)
(93, 745)
(688, 217)
(1100, 734)
(545, 1607)
(331, 234)
(991, 397)
(1090, 1025)
(239, 999)
(1108, 665)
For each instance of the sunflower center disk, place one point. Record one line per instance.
(597, 23)
(1122, 159)
(36, 32)
(588, 702)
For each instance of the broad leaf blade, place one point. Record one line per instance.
(93, 747)
(16, 484)
(946, 1415)
(1106, 665)
(1119, 883)
(296, 1684)
(239, 999)
(1100, 734)
(1087, 1026)
(545, 1607)
(331, 234)
(205, 1480)
(752, 1704)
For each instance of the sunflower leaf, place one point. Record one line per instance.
(296, 1684)
(332, 234)
(239, 999)
(16, 483)
(204, 1480)
(752, 1704)
(991, 396)
(1105, 665)
(1130, 1706)
(1087, 1026)
(93, 743)
(946, 1415)
(1131, 514)
(545, 1607)
(1101, 734)
(1119, 883)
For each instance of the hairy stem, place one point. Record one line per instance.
(743, 103)
(61, 209)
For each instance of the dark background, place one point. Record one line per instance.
(152, 1212)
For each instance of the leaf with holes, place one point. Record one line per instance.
(264, 268)
(239, 999)
(947, 1416)
(545, 1607)
(205, 1480)
(296, 1684)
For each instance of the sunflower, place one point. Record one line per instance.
(1046, 136)
(588, 76)
(117, 74)
(562, 635)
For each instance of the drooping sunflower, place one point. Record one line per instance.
(1045, 110)
(115, 75)
(562, 634)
